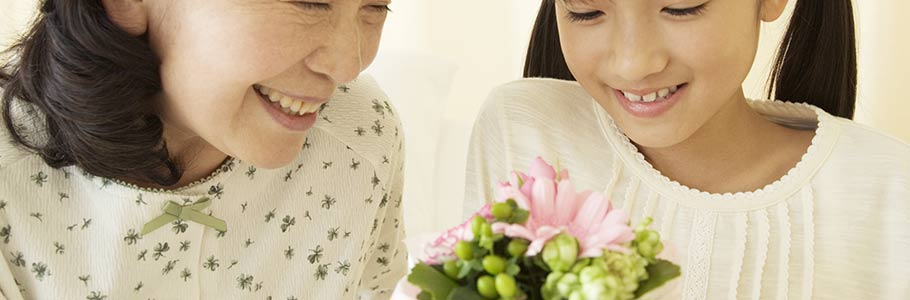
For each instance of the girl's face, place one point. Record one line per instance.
(662, 69)
(224, 61)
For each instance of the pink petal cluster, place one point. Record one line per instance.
(442, 248)
(556, 207)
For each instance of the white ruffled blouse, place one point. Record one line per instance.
(837, 226)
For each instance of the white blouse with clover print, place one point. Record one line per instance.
(328, 226)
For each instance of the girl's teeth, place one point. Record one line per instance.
(659, 95)
(632, 97)
(296, 106)
(650, 97)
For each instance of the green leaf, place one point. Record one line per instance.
(476, 265)
(465, 268)
(464, 293)
(659, 273)
(431, 281)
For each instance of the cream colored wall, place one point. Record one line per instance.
(14, 16)
(884, 69)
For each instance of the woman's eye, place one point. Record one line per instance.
(582, 17)
(314, 5)
(682, 12)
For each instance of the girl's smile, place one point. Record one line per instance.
(650, 103)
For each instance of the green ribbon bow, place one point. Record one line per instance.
(191, 212)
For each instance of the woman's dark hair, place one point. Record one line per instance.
(815, 64)
(91, 84)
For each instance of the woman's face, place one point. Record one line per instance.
(662, 68)
(247, 76)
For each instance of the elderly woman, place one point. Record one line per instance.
(217, 149)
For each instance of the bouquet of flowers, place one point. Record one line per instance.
(541, 239)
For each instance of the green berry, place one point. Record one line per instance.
(501, 210)
(505, 285)
(486, 230)
(464, 250)
(517, 247)
(494, 264)
(451, 269)
(476, 225)
(486, 285)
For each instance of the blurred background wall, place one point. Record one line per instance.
(439, 59)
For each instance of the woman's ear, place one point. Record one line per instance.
(129, 15)
(772, 9)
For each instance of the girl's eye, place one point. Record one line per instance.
(682, 12)
(314, 5)
(379, 8)
(583, 17)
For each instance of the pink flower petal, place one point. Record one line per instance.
(541, 169)
(515, 176)
(511, 230)
(566, 202)
(592, 211)
(528, 187)
(544, 235)
(547, 232)
(535, 247)
(612, 235)
(510, 192)
(543, 201)
(615, 217)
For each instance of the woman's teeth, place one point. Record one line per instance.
(288, 104)
(661, 94)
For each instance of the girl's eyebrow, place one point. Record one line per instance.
(575, 2)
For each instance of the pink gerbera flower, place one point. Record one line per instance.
(556, 207)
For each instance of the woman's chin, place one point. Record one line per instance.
(273, 159)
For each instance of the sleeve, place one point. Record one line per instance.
(387, 262)
(489, 157)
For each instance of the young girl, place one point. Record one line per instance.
(757, 199)
(217, 149)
